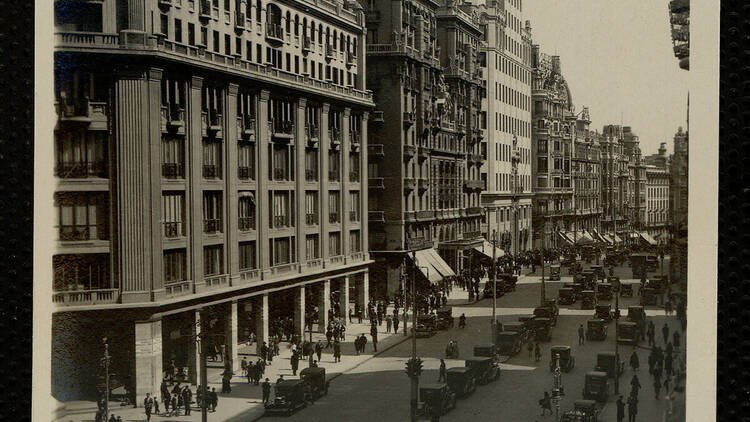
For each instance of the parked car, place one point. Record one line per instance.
(627, 333)
(554, 272)
(290, 396)
(596, 386)
(604, 291)
(608, 363)
(565, 296)
(567, 361)
(546, 312)
(315, 378)
(499, 290)
(445, 318)
(604, 311)
(596, 329)
(588, 299)
(509, 343)
(583, 411)
(486, 369)
(638, 315)
(426, 325)
(461, 381)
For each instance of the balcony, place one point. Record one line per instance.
(81, 170)
(205, 9)
(475, 211)
(376, 183)
(279, 222)
(423, 184)
(246, 223)
(312, 135)
(173, 119)
(282, 130)
(211, 171)
(354, 176)
(174, 229)
(307, 45)
(334, 134)
(165, 4)
(246, 127)
(408, 119)
(86, 297)
(311, 219)
(410, 216)
(476, 158)
(418, 243)
(425, 215)
(83, 232)
(311, 175)
(424, 153)
(377, 117)
(212, 226)
(211, 124)
(473, 185)
(353, 216)
(333, 218)
(409, 151)
(410, 183)
(355, 139)
(351, 59)
(245, 173)
(330, 52)
(92, 114)
(239, 21)
(375, 150)
(472, 235)
(274, 33)
(333, 176)
(376, 216)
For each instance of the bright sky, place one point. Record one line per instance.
(616, 56)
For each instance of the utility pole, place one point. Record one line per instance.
(494, 287)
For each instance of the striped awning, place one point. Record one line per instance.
(432, 265)
(486, 249)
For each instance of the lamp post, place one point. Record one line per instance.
(106, 359)
(494, 287)
(414, 367)
(557, 387)
(515, 190)
(617, 343)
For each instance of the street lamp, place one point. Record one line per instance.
(106, 360)
(494, 287)
(557, 387)
(414, 366)
(617, 339)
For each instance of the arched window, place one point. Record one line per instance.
(320, 34)
(341, 42)
(304, 27)
(334, 39)
(288, 23)
(259, 11)
(348, 43)
(273, 15)
(296, 25)
(328, 35)
(354, 50)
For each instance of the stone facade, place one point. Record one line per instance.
(587, 176)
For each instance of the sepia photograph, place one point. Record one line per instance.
(364, 210)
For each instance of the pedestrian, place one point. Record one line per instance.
(546, 403)
(537, 352)
(264, 352)
(374, 334)
(319, 349)
(651, 362)
(668, 365)
(581, 335)
(620, 409)
(667, 381)
(187, 399)
(632, 408)
(214, 399)
(363, 342)
(388, 323)
(676, 339)
(295, 362)
(351, 315)
(266, 391)
(530, 348)
(462, 321)
(441, 373)
(634, 363)
(337, 351)
(395, 323)
(329, 336)
(243, 366)
(310, 360)
(635, 385)
(165, 396)
(665, 332)
(148, 405)
(657, 388)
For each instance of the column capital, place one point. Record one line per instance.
(264, 95)
(233, 89)
(326, 107)
(365, 116)
(347, 111)
(196, 82)
(155, 74)
(302, 102)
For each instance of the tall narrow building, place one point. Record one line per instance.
(587, 178)
(506, 59)
(210, 181)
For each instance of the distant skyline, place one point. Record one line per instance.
(617, 59)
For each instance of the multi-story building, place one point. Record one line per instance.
(660, 159)
(587, 175)
(678, 206)
(210, 161)
(507, 73)
(553, 128)
(424, 166)
(636, 190)
(679, 20)
(614, 182)
(657, 222)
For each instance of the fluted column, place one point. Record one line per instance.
(363, 192)
(154, 177)
(299, 166)
(325, 146)
(261, 320)
(194, 175)
(345, 166)
(261, 212)
(231, 178)
(299, 311)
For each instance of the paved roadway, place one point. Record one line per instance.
(379, 389)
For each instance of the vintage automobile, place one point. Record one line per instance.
(658, 283)
(638, 315)
(596, 386)
(565, 296)
(461, 381)
(588, 299)
(626, 289)
(578, 289)
(508, 343)
(599, 271)
(500, 290)
(509, 281)
(518, 327)
(567, 361)
(607, 362)
(583, 411)
(315, 378)
(604, 291)
(290, 396)
(627, 333)
(486, 369)
(445, 318)
(596, 329)
(604, 311)
(642, 263)
(426, 325)
(485, 350)
(524, 318)
(436, 399)
(540, 329)
(552, 303)
(554, 270)
(546, 312)
(649, 297)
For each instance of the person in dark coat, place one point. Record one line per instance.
(166, 397)
(676, 339)
(187, 399)
(374, 334)
(441, 374)
(319, 349)
(657, 387)
(620, 409)
(665, 332)
(363, 343)
(546, 403)
(264, 351)
(329, 336)
(395, 323)
(634, 362)
(214, 399)
(295, 362)
(581, 335)
(337, 351)
(351, 315)
(266, 391)
(632, 408)
(148, 405)
(537, 352)
(635, 385)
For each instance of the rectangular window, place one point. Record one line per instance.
(212, 159)
(282, 251)
(282, 209)
(247, 256)
(165, 25)
(82, 216)
(354, 241)
(204, 37)
(246, 161)
(311, 165)
(246, 214)
(227, 45)
(354, 206)
(191, 33)
(334, 203)
(175, 266)
(81, 154)
(178, 30)
(312, 247)
(281, 165)
(212, 212)
(217, 40)
(334, 244)
(334, 170)
(311, 207)
(173, 213)
(213, 260)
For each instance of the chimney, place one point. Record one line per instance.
(556, 64)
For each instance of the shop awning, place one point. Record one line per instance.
(598, 237)
(645, 236)
(616, 238)
(608, 239)
(432, 265)
(486, 249)
(565, 238)
(583, 238)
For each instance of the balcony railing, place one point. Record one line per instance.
(330, 52)
(311, 219)
(312, 133)
(333, 218)
(472, 234)
(84, 232)
(354, 176)
(173, 170)
(376, 150)
(280, 174)
(425, 215)
(172, 118)
(212, 123)
(423, 184)
(274, 32)
(474, 211)
(174, 229)
(351, 59)
(334, 134)
(410, 150)
(311, 175)
(247, 223)
(307, 45)
(376, 216)
(211, 226)
(408, 118)
(418, 243)
(86, 297)
(246, 126)
(410, 183)
(353, 216)
(280, 221)
(80, 170)
(283, 130)
(333, 176)
(474, 184)
(355, 137)
(376, 183)
(211, 171)
(216, 281)
(245, 173)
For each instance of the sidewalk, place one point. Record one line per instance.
(245, 401)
